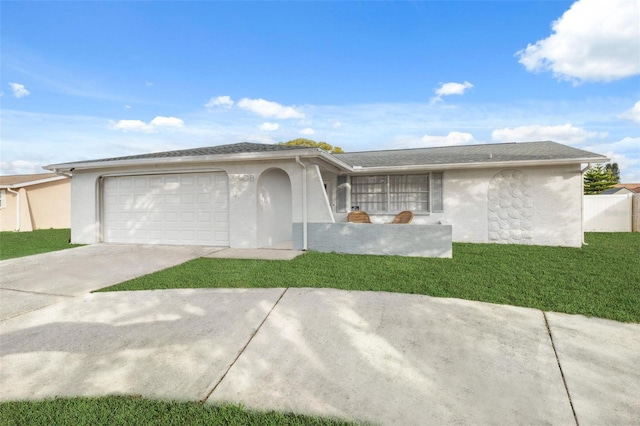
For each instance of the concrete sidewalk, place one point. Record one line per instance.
(380, 357)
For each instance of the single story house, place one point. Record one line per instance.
(249, 195)
(35, 201)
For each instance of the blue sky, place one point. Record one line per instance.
(83, 80)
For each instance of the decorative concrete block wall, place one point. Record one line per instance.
(510, 208)
(380, 239)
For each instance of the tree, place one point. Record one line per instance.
(614, 170)
(313, 144)
(598, 179)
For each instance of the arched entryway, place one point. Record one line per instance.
(274, 208)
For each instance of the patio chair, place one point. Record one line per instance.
(403, 217)
(358, 216)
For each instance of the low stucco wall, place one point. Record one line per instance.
(387, 239)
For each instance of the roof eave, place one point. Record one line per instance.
(33, 182)
(478, 165)
(214, 158)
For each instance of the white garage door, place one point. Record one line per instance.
(187, 209)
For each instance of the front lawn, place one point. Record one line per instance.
(18, 244)
(127, 410)
(602, 279)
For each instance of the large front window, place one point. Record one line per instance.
(394, 193)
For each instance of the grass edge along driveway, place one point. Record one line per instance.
(19, 244)
(601, 279)
(131, 410)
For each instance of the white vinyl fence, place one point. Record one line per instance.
(608, 213)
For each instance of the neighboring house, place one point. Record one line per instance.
(250, 195)
(38, 201)
(623, 188)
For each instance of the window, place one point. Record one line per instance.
(3, 198)
(394, 193)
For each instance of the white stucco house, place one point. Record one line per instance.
(249, 195)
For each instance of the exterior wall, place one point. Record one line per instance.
(8, 220)
(554, 193)
(42, 206)
(360, 238)
(274, 208)
(244, 181)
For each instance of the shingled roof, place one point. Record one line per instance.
(468, 154)
(18, 181)
(481, 155)
(235, 148)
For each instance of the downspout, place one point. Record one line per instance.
(584, 243)
(17, 194)
(304, 203)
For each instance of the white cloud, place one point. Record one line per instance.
(19, 90)
(447, 89)
(594, 40)
(625, 152)
(453, 138)
(269, 126)
(633, 114)
(128, 107)
(131, 126)
(20, 167)
(565, 133)
(269, 109)
(220, 101)
(307, 131)
(142, 127)
(160, 121)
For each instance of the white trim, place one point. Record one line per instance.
(311, 153)
(362, 170)
(194, 159)
(3, 198)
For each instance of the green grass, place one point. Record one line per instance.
(602, 279)
(121, 410)
(18, 244)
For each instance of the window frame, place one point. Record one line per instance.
(3, 198)
(388, 195)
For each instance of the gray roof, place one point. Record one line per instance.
(613, 191)
(467, 154)
(235, 148)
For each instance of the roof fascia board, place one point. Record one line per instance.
(214, 158)
(483, 165)
(34, 182)
(335, 161)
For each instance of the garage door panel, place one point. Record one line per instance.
(167, 209)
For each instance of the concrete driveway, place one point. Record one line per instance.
(32, 282)
(380, 357)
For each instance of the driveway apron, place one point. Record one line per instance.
(32, 282)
